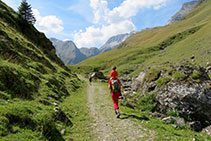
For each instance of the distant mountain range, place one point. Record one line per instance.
(186, 8)
(70, 54)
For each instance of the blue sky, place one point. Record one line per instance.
(89, 23)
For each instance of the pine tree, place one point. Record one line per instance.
(25, 11)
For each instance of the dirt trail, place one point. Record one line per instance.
(106, 126)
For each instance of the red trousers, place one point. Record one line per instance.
(115, 98)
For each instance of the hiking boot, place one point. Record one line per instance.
(118, 115)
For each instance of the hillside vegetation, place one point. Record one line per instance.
(32, 81)
(169, 44)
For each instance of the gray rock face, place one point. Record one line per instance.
(189, 95)
(126, 84)
(114, 41)
(190, 100)
(174, 120)
(186, 8)
(138, 81)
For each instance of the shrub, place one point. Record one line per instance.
(195, 75)
(179, 76)
(153, 74)
(163, 81)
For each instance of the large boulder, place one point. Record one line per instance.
(191, 101)
(137, 82)
(185, 89)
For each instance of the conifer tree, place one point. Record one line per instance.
(25, 11)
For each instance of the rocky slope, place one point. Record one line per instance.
(33, 80)
(186, 8)
(184, 91)
(114, 41)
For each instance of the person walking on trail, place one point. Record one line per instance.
(90, 80)
(115, 87)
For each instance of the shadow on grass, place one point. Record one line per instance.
(126, 116)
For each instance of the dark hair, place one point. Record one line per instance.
(113, 67)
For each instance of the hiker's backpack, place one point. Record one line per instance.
(115, 85)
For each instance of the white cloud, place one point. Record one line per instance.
(48, 23)
(93, 36)
(111, 22)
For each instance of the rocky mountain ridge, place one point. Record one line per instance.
(186, 8)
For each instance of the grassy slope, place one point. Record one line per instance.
(32, 78)
(139, 51)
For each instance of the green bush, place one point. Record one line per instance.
(179, 76)
(163, 80)
(172, 113)
(152, 74)
(195, 75)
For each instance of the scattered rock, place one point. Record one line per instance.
(174, 125)
(192, 57)
(55, 104)
(207, 130)
(168, 120)
(208, 64)
(195, 125)
(63, 131)
(61, 116)
(180, 121)
(157, 115)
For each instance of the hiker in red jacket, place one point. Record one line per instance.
(115, 87)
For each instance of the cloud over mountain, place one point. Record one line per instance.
(110, 22)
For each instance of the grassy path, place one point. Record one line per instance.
(106, 126)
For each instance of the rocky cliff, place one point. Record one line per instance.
(186, 8)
